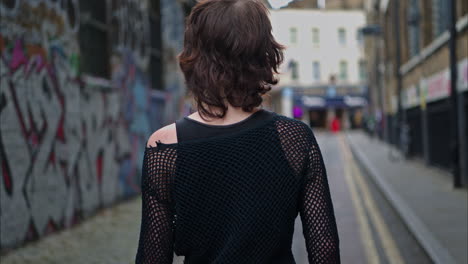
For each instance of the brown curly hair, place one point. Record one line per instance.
(229, 55)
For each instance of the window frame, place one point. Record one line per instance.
(294, 70)
(94, 55)
(342, 38)
(316, 71)
(343, 74)
(362, 66)
(293, 35)
(316, 36)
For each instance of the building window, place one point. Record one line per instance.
(463, 8)
(360, 38)
(315, 36)
(440, 16)
(93, 38)
(294, 70)
(413, 27)
(343, 71)
(362, 70)
(316, 70)
(293, 35)
(342, 36)
(321, 4)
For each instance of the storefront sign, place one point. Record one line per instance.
(411, 96)
(354, 101)
(313, 101)
(337, 102)
(393, 104)
(438, 86)
(463, 75)
(423, 93)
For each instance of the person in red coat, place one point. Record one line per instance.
(335, 125)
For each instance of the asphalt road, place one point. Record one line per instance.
(370, 230)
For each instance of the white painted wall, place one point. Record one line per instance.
(329, 52)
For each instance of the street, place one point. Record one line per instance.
(370, 231)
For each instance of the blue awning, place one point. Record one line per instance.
(320, 102)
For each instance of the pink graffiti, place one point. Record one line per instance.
(18, 57)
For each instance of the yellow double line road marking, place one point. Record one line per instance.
(364, 226)
(357, 185)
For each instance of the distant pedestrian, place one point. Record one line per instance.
(226, 183)
(335, 125)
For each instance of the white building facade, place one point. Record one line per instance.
(321, 43)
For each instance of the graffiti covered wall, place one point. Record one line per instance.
(70, 143)
(173, 33)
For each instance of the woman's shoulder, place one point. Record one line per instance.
(288, 123)
(166, 135)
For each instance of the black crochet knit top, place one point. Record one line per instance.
(232, 198)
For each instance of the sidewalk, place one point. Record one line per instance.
(109, 237)
(435, 212)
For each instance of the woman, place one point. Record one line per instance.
(226, 183)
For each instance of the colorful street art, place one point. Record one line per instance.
(70, 144)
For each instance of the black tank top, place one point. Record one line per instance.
(188, 129)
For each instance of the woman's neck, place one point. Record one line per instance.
(233, 115)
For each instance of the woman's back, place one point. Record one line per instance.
(230, 194)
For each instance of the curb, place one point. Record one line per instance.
(438, 253)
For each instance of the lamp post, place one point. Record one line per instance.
(402, 128)
(375, 31)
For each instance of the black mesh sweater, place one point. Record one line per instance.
(233, 198)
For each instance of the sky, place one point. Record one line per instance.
(275, 4)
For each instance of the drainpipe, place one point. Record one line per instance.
(401, 119)
(454, 138)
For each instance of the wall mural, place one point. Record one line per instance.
(69, 144)
(173, 36)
